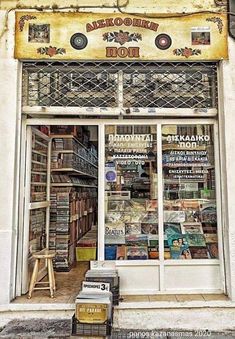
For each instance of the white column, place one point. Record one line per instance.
(227, 143)
(8, 160)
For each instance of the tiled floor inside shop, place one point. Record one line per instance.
(68, 285)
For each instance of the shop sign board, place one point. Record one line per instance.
(116, 36)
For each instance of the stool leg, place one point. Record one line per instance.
(33, 278)
(53, 276)
(50, 276)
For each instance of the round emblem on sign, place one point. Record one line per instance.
(110, 176)
(78, 41)
(163, 41)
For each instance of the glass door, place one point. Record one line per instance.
(37, 201)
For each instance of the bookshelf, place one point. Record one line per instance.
(39, 179)
(74, 173)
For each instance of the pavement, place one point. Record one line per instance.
(57, 329)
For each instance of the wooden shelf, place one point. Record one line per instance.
(40, 153)
(72, 170)
(38, 183)
(70, 184)
(38, 172)
(73, 152)
(40, 143)
(39, 204)
(69, 136)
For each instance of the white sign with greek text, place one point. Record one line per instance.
(90, 286)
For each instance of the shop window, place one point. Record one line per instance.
(131, 223)
(134, 229)
(189, 197)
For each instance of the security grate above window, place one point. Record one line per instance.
(120, 84)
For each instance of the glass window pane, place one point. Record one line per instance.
(190, 218)
(131, 221)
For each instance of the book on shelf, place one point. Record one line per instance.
(180, 252)
(177, 240)
(211, 238)
(191, 228)
(137, 240)
(115, 233)
(153, 240)
(172, 228)
(110, 252)
(151, 205)
(213, 250)
(149, 217)
(117, 205)
(174, 216)
(137, 253)
(199, 253)
(185, 253)
(121, 252)
(136, 216)
(195, 240)
(209, 228)
(208, 214)
(175, 252)
(153, 253)
(167, 253)
(132, 228)
(113, 217)
(149, 228)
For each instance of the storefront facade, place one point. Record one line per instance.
(161, 105)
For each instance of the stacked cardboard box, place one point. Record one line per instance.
(93, 310)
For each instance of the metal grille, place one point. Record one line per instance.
(120, 84)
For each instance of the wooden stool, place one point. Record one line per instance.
(46, 255)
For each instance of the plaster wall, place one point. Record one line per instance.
(8, 147)
(227, 123)
(10, 125)
(150, 6)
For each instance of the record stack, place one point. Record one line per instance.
(93, 311)
(62, 232)
(106, 276)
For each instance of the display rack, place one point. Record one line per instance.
(73, 196)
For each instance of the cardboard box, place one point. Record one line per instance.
(85, 253)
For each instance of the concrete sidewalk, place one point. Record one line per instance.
(45, 329)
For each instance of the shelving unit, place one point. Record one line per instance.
(63, 184)
(73, 172)
(73, 196)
